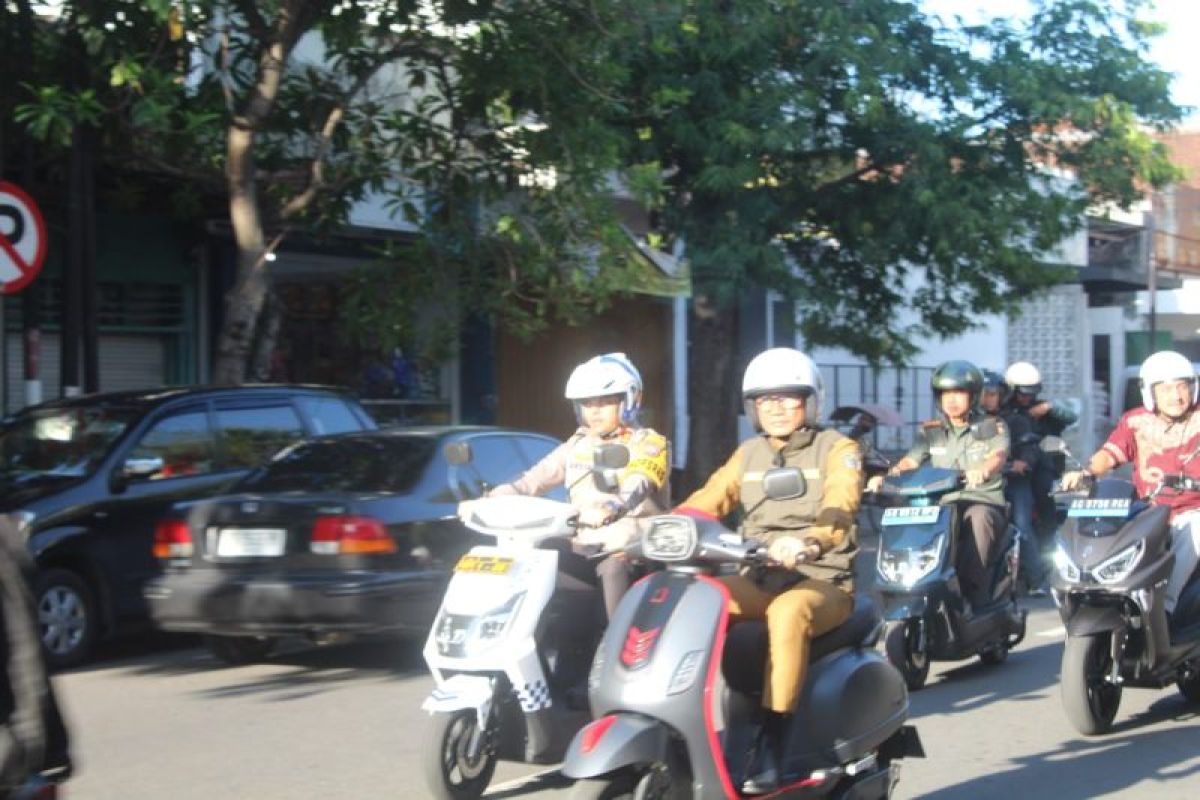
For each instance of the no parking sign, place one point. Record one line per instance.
(22, 239)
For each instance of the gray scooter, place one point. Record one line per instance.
(1112, 562)
(676, 690)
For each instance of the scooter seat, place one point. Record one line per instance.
(745, 657)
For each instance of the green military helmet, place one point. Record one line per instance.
(957, 375)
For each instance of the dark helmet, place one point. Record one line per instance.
(995, 381)
(957, 375)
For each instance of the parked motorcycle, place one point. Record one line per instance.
(1112, 562)
(927, 616)
(511, 641)
(676, 690)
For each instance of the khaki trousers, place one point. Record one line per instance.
(810, 608)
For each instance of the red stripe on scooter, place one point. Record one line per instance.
(710, 681)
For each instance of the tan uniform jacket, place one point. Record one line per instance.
(643, 488)
(832, 468)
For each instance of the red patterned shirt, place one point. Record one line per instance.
(1158, 447)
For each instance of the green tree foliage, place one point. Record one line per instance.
(894, 174)
(476, 117)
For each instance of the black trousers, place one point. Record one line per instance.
(981, 526)
(578, 572)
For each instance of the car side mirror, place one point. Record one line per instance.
(784, 483)
(458, 453)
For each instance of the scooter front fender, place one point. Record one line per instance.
(613, 742)
(1088, 620)
(904, 606)
(461, 692)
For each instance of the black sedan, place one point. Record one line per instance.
(339, 535)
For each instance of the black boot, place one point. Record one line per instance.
(765, 769)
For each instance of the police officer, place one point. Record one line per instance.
(811, 538)
(963, 437)
(606, 392)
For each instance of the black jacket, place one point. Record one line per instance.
(33, 738)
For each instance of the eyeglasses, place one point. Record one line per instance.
(788, 402)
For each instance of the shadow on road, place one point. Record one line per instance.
(1029, 674)
(1100, 766)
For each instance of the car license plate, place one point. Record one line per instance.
(1099, 507)
(490, 565)
(917, 515)
(247, 542)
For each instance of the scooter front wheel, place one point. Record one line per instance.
(1089, 698)
(452, 771)
(902, 643)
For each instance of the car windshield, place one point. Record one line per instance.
(349, 464)
(68, 442)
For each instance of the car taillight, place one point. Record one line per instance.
(345, 535)
(173, 539)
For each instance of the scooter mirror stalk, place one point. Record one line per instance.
(611, 456)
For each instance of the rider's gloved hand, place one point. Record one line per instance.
(1071, 480)
(874, 483)
(597, 516)
(790, 551)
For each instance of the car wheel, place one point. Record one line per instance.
(66, 610)
(235, 650)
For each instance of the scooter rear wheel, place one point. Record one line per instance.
(1091, 701)
(902, 645)
(451, 773)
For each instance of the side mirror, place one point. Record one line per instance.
(458, 453)
(611, 456)
(1053, 444)
(139, 468)
(784, 483)
(607, 462)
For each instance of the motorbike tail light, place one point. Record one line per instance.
(173, 539)
(350, 535)
(594, 732)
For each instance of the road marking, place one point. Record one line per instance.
(1054, 633)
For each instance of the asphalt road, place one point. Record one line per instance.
(161, 719)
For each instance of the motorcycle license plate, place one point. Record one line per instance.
(1099, 507)
(489, 565)
(920, 515)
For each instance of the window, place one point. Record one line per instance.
(346, 464)
(251, 435)
(330, 415)
(494, 460)
(184, 443)
(68, 442)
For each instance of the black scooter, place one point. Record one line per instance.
(1112, 562)
(927, 616)
(676, 690)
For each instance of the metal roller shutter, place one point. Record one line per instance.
(126, 362)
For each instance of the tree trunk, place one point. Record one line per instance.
(269, 323)
(244, 300)
(713, 388)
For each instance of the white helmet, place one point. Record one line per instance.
(1166, 365)
(783, 369)
(609, 374)
(1023, 377)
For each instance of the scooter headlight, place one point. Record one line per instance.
(459, 635)
(908, 566)
(1065, 566)
(1118, 568)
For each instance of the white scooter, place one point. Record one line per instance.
(510, 643)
